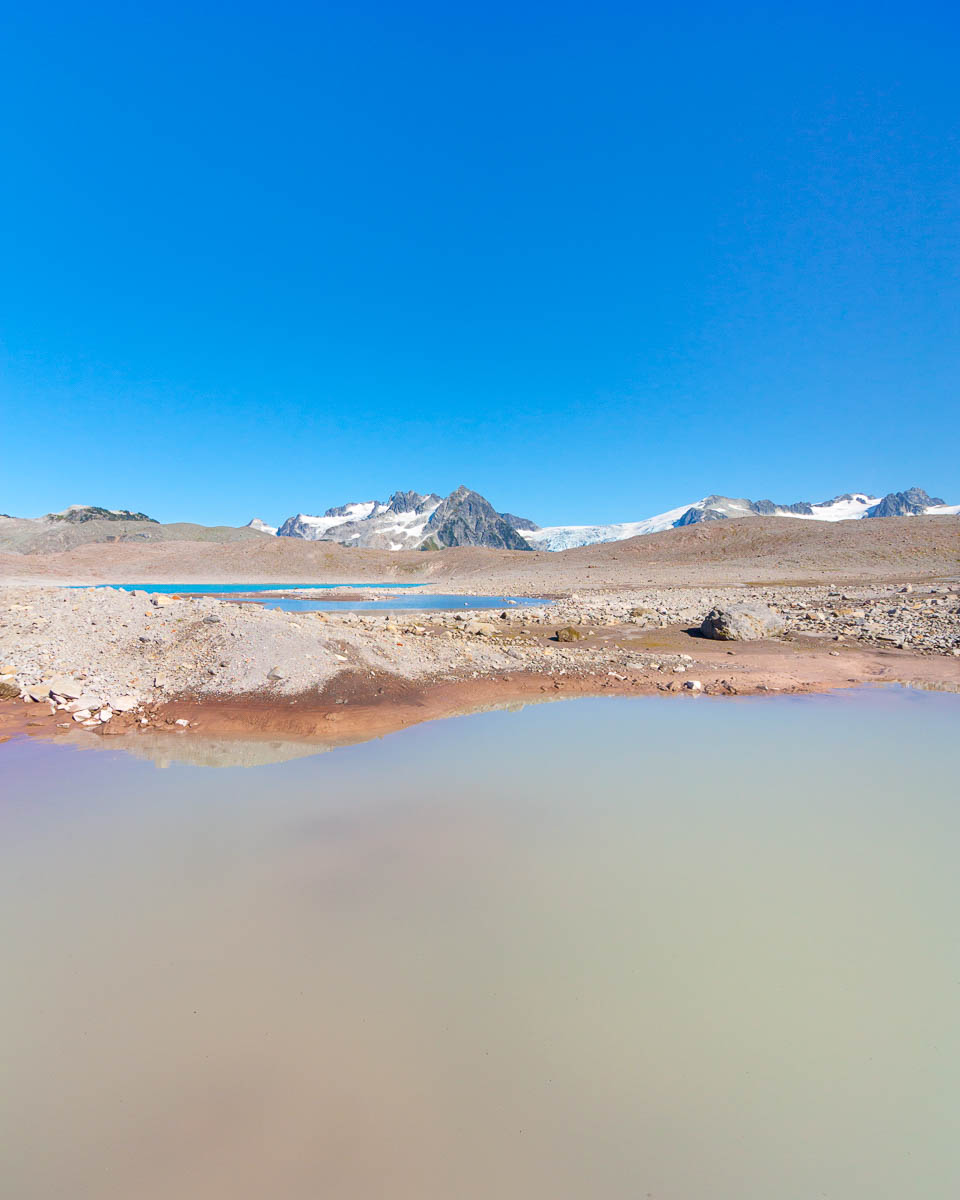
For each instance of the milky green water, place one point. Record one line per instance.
(683, 949)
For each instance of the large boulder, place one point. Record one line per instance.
(742, 623)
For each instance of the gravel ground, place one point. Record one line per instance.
(100, 651)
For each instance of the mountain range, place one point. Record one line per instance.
(850, 506)
(411, 521)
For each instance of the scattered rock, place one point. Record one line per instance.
(742, 623)
(67, 689)
(38, 691)
(482, 628)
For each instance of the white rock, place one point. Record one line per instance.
(182, 722)
(692, 685)
(82, 714)
(122, 703)
(87, 700)
(105, 714)
(68, 688)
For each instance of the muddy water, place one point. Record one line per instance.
(620, 948)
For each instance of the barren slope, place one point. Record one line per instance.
(770, 549)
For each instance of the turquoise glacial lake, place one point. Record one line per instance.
(407, 599)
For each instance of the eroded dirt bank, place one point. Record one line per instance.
(209, 669)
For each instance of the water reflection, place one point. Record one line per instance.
(604, 948)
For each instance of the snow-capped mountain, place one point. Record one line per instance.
(261, 526)
(849, 507)
(410, 521)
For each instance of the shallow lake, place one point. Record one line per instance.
(407, 599)
(676, 948)
(209, 589)
(412, 602)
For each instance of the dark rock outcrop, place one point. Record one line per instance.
(911, 503)
(81, 513)
(696, 516)
(521, 524)
(465, 518)
(403, 502)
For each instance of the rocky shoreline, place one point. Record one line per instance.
(111, 661)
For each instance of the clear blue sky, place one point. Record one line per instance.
(594, 260)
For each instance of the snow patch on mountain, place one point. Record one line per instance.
(568, 537)
(261, 526)
(851, 506)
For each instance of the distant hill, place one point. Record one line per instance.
(83, 524)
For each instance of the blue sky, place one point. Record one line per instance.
(592, 260)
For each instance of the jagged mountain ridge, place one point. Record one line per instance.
(465, 518)
(78, 514)
(847, 507)
(411, 521)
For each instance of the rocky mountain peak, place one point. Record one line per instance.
(403, 502)
(465, 518)
(910, 503)
(260, 526)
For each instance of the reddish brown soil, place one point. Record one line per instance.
(357, 708)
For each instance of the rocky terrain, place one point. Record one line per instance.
(849, 601)
(93, 656)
